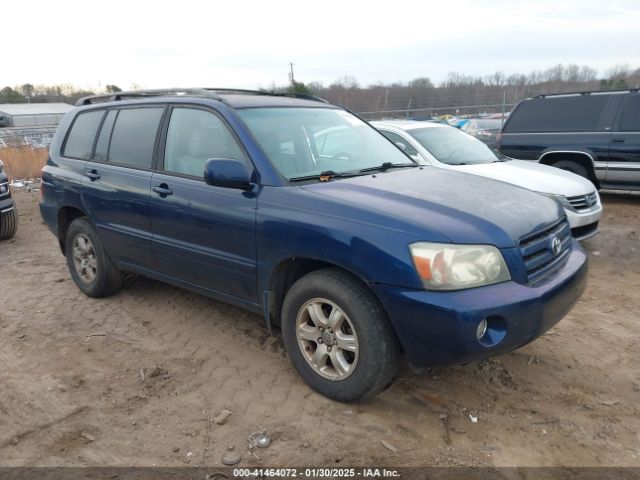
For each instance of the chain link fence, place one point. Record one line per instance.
(30, 137)
(455, 110)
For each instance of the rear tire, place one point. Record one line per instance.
(573, 167)
(91, 268)
(8, 224)
(338, 337)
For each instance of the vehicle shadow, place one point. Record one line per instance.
(619, 197)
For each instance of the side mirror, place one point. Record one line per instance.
(402, 146)
(227, 173)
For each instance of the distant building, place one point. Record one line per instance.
(32, 114)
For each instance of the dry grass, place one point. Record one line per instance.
(23, 162)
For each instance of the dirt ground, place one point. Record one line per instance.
(135, 378)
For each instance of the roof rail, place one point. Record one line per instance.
(201, 92)
(587, 92)
(305, 96)
(116, 96)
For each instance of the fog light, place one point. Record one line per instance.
(482, 329)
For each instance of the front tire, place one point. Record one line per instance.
(338, 337)
(572, 167)
(8, 224)
(91, 268)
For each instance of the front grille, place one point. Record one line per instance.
(537, 249)
(583, 202)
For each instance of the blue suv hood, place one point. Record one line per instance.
(462, 207)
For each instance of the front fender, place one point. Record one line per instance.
(375, 254)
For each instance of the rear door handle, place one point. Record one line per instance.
(617, 140)
(92, 174)
(163, 190)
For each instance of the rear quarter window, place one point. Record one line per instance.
(558, 114)
(80, 140)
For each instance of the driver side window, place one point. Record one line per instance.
(395, 138)
(194, 136)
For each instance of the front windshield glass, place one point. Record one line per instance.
(484, 124)
(453, 147)
(304, 142)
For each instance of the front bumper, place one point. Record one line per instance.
(439, 328)
(6, 204)
(584, 224)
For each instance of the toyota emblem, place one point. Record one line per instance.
(556, 246)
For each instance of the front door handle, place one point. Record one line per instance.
(617, 140)
(163, 190)
(92, 174)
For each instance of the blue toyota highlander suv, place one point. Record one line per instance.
(296, 209)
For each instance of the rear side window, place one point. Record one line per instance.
(79, 143)
(558, 114)
(631, 116)
(134, 136)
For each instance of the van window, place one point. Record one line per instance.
(82, 135)
(194, 136)
(134, 136)
(577, 113)
(631, 115)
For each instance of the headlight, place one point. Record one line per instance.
(444, 266)
(564, 201)
(1, 166)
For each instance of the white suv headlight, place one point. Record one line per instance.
(564, 201)
(443, 266)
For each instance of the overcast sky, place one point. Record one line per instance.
(249, 44)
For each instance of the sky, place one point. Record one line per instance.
(245, 44)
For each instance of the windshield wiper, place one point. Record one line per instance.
(387, 166)
(324, 176)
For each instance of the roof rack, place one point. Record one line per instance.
(199, 92)
(116, 96)
(588, 92)
(304, 96)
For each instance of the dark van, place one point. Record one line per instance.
(593, 134)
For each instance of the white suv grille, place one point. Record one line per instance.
(583, 202)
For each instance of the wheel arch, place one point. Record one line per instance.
(582, 157)
(285, 273)
(288, 270)
(66, 215)
(291, 269)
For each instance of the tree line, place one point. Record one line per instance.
(462, 93)
(66, 93)
(457, 93)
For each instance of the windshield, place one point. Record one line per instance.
(453, 147)
(304, 142)
(485, 124)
